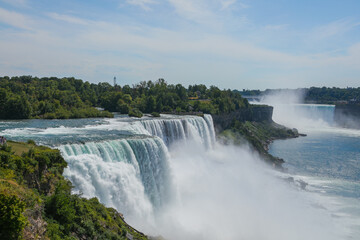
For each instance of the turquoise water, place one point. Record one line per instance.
(328, 159)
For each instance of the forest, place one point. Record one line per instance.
(28, 97)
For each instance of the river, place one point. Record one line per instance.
(328, 159)
(169, 177)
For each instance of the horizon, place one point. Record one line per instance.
(232, 44)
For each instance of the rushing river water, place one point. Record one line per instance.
(169, 176)
(328, 159)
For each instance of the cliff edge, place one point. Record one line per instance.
(253, 126)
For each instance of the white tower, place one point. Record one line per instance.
(114, 81)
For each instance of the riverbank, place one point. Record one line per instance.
(36, 200)
(258, 135)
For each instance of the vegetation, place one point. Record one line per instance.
(31, 97)
(259, 135)
(155, 114)
(322, 95)
(160, 97)
(135, 113)
(27, 97)
(36, 200)
(332, 95)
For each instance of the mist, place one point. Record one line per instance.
(228, 193)
(291, 111)
(217, 191)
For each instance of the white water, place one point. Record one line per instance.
(169, 177)
(226, 193)
(131, 174)
(307, 118)
(327, 159)
(178, 183)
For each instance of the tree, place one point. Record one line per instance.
(12, 220)
(150, 104)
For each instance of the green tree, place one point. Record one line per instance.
(12, 220)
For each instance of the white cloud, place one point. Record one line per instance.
(276, 27)
(68, 18)
(97, 50)
(17, 3)
(335, 28)
(144, 4)
(15, 19)
(198, 11)
(227, 3)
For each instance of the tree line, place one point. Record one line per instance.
(325, 95)
(27, 97)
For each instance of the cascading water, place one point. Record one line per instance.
(169, 177)
(148, 157)
(189, 127)
(133, 174)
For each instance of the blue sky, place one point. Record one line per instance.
(255, 44)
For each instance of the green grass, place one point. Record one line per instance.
(19, 147)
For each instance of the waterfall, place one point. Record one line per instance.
(146, 157)
(185, 128)
(168, 178)
(132, 174)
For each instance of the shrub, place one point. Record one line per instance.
(30, 141)
(12, 220)
(135, 113)
(155, 114)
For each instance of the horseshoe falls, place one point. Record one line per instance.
(327, 159)
(170, 177)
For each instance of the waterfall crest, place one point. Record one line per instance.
(133, 174)
(185, 128)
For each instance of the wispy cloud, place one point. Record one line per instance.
(196, 11)
(17, 3)
(229, 3)
(15, 19)
(276, 27)
(67, 18)
(144, 4)
(335, 28)
(226, 4)
(99, 49)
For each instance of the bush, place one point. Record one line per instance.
(155, 114)
(30, 141)
(12, 220)
(135, 113)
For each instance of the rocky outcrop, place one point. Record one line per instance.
(254, 113)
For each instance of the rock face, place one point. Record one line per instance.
(347, 115)
(253, 113)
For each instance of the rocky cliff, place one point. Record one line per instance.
(253, 126)
(254, 113)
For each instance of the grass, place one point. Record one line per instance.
(20, 147)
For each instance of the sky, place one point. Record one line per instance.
(237, 44)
